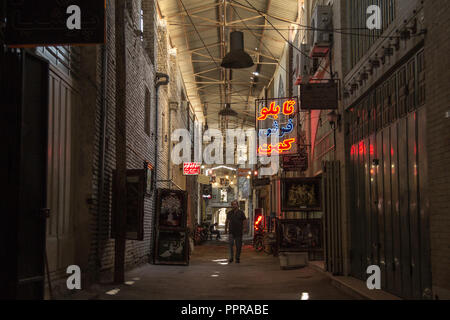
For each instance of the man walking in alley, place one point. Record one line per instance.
(235, 226)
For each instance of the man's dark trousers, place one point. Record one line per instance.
(238, 240)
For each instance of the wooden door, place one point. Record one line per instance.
(24, 125)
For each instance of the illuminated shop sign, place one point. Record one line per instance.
(277, 118)
(191, 168)
(281, 147)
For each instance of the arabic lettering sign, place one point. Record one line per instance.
(295, 162)
(319, 96)
(277, 116)
(191, 168)
(55, 22)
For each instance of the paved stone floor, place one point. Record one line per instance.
(210, 277)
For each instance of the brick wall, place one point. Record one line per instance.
(141, 55)
(140, 146)
(172, 118)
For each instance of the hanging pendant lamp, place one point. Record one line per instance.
(227, 111)
(237, 58)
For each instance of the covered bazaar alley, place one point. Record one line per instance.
(189, 150)
(209, 276)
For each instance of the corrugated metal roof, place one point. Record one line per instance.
(203, 76)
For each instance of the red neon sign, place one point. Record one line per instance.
(274, 110)
(281, 147)
(191, 168)
(258, 222)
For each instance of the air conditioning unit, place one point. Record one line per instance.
(305, 64)
(321, 37)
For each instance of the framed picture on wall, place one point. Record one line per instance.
(171, 209)
(172, 247)
(300, 235)
(301, 194)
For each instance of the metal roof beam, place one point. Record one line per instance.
(199, 48)
(206, 56)
(278, 26)
(208, 78)
(263, 55)
(242, 20)
(206, 71)
(207, 61)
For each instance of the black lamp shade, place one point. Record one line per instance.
(227, 111)
(237, 58)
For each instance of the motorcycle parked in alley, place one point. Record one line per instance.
(201, 234)
(258, 241)
(265, 241)
(264, 238)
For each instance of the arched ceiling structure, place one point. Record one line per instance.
(200, 31)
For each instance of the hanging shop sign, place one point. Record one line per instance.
(277, 117)
(261, 182)
(191, 168)
(135, 190)
(54, 22)
(319, 96)
(298, 162)
(243, 172)
(301, 194)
